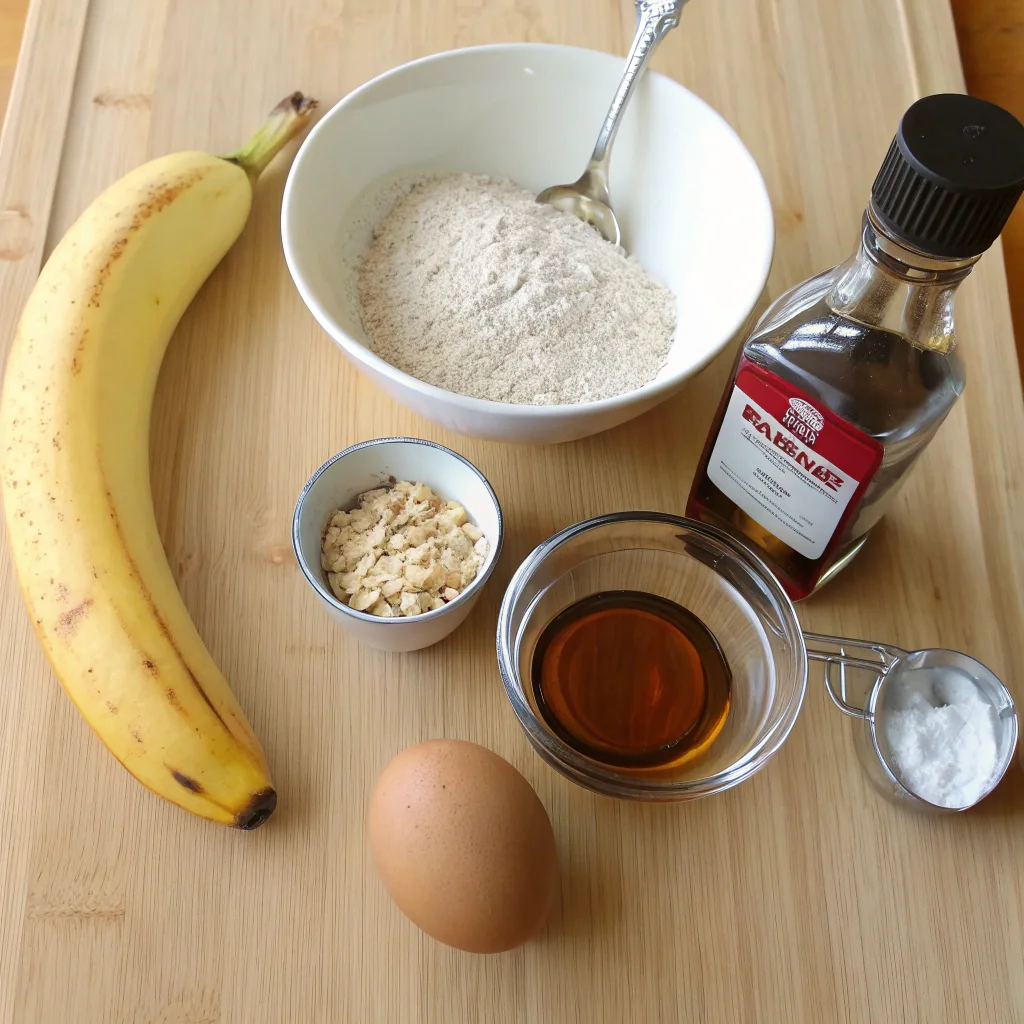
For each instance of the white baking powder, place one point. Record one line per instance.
(942, 735)
(473, 286)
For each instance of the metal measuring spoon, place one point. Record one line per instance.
(940, 673)
(588, 198)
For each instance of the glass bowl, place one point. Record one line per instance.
(697, 566)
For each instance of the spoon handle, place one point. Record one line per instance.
(655, 18)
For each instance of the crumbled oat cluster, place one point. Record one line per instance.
(401, 551)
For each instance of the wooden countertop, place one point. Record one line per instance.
(12, 23)
(799, 896)
(991, 38)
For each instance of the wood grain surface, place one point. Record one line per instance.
(991, 37)
(12, 23)
(799, 896)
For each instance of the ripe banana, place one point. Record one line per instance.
(74, 464)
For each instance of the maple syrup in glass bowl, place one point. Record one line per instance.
(651, 657)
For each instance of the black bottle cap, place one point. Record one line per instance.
(952, 175)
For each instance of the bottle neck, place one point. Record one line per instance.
(888, 285)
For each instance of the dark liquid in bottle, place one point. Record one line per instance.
(876, 381)
(632, 680)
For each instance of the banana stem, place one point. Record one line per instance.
(285, 121)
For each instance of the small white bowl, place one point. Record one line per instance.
(337, 484)
(692, 203)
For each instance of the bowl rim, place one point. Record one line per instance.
(364, 356)
(603, 779)
(325, 593)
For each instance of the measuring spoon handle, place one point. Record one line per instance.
(831, 651)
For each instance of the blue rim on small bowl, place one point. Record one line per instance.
(319, 584)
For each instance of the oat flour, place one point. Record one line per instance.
(471, 285)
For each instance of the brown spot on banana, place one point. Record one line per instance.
(116, 252)
(67, 624)
(160, 197)
(259, 808)
(184, 780)
(241, 739)
(163, 625)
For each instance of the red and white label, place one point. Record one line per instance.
(790, 463)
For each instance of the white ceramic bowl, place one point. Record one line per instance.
(338, 482)
(692, 204)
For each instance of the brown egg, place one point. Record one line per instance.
(463, 845)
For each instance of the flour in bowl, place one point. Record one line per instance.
(471, 285)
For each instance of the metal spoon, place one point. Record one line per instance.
(589, 198)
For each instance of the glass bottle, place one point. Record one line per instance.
(847, 376)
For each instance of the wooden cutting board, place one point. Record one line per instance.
(799, 896)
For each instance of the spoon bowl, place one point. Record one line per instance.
(588, 198)
(572, 199)
(582, 199)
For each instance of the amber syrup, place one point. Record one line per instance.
(632, 680)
